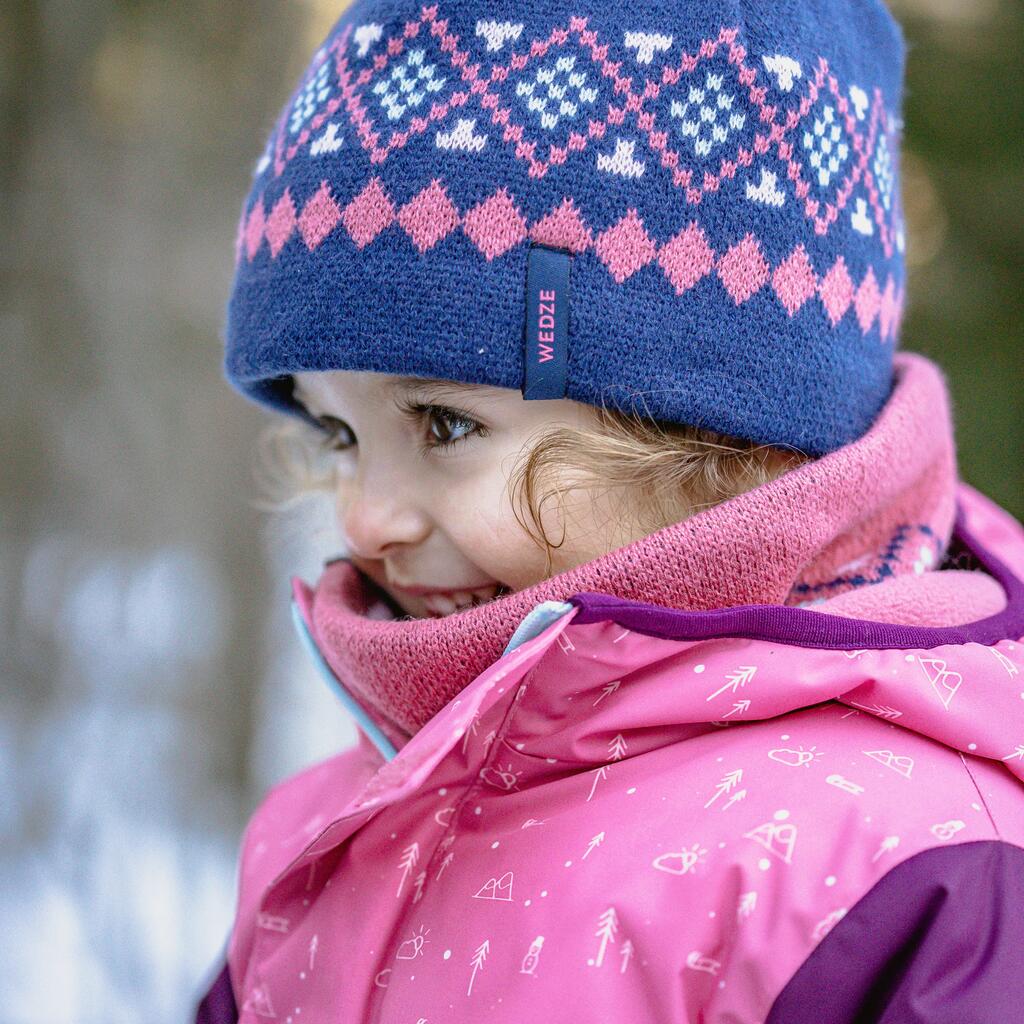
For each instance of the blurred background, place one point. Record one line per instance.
(152, 688)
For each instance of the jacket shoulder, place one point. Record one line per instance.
(293, 810)
(218, 1005)
(994, 526)
(946, 913)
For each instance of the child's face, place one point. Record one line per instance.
(420, 513)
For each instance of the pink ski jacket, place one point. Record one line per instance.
(761, 813)
(763, 765)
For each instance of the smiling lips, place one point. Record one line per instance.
(439, 605)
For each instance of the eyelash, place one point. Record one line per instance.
(415, 411)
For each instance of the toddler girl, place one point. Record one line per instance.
(672, 703)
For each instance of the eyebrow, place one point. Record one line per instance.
(392, 385)
(456, 391)
(452, 387)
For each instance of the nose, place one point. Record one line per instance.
(374, 516)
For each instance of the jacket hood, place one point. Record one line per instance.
(694, 673)
(872, 512)
(958, 684)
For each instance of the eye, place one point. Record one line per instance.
(338, 434)
(449, 419)
(445, 427)
(454, 426)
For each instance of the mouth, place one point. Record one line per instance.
(440, 605)
(437, 605)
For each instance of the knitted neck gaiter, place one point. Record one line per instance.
(867, 512)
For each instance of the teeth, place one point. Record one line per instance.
(441, 604)
(445, 604)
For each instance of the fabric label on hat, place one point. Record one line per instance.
(545, 357)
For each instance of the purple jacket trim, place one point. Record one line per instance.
(218, 1005)
(938, 940)
(803, 627)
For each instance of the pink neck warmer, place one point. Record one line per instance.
(874, 510)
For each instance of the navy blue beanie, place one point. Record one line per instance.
(683, 208)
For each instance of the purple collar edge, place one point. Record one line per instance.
(802, 627)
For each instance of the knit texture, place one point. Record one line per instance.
(938, 599)
(722, 177)
(829, 522)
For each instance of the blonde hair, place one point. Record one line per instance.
(665, 472)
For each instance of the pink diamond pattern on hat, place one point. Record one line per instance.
(280, 223)
(319, 217)
(743, 269)
(369, 213)
(867, 301)
(429, 216)
(625, 247)
(794, 280)
(890, 312)
(635, 97)
(254, 229)
(836, 291)
(495, 225)
(687, 258)
(563, 228)
(240, 239)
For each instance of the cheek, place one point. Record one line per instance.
(342, 487)
(581, 526)
(479, 521)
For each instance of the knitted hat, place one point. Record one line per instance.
(684, 208)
